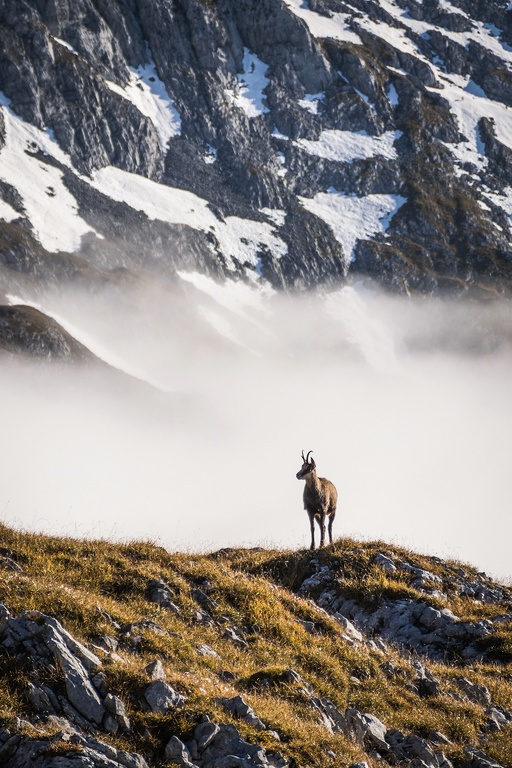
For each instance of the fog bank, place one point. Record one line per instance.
(407, 405)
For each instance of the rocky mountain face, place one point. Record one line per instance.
(276, 141)
(28, 329)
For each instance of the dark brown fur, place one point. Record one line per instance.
(320, 499)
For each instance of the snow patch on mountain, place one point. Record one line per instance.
(239, 239)
(469, 107)
(7, 212)
(64, 45)
(394, 36)
(311, 102)
(347, 146)
(49, 206)
(148, 93)
(353, 218)
(393, 95)
(249, 95)
(503, 201)
(335, 26)
(480, 32)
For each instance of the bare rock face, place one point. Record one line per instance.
(44, 642)
(80, 691)
(273, 115)
(27, 330)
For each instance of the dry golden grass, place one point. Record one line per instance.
(252, 589)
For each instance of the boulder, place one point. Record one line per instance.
(204, 735)
(80, 691)
(366, 729)
(238, 707)
(177, 752)
(160, 697)
(478, 694)
(385, 562)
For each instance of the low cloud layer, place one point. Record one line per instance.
(406, 404)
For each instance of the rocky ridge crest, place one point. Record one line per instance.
(77, 711)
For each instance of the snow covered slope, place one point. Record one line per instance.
(281, 142)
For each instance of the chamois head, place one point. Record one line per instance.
(307, 466)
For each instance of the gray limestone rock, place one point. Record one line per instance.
(227, 748)
(478, 759)
(478, 694)
(177, 752)
(385, 562)
(238, 707)
(161, 697)
(80, 691)
(204, 735)
(155, 670)
(230, 633)
(39, 699)
(85, 752)
(366, 729)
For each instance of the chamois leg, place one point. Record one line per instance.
(331, 520)
(321, 523)
(312, 524)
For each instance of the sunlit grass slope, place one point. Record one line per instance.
(83, 583)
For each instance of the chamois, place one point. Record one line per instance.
(320, 498)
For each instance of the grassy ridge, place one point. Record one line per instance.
(81, 582)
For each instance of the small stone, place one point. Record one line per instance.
(39, 699)
(155, 670)
(348, 627)
(436, 737)
(107, 643)
(227, 676)
(309, 626)
(205, 650)
(115, 705)
(192, 748)
(177, 752)
(478, 694)
(110, 724)
(234, 636)
(100, 683)
(238, 707)
(385, 562)
(204, 735)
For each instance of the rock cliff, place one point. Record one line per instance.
(268, 140)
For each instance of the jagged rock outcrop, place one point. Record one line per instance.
(67, 748)
(26, 329)
(45, 643)
(412, 623)
(220, 745)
